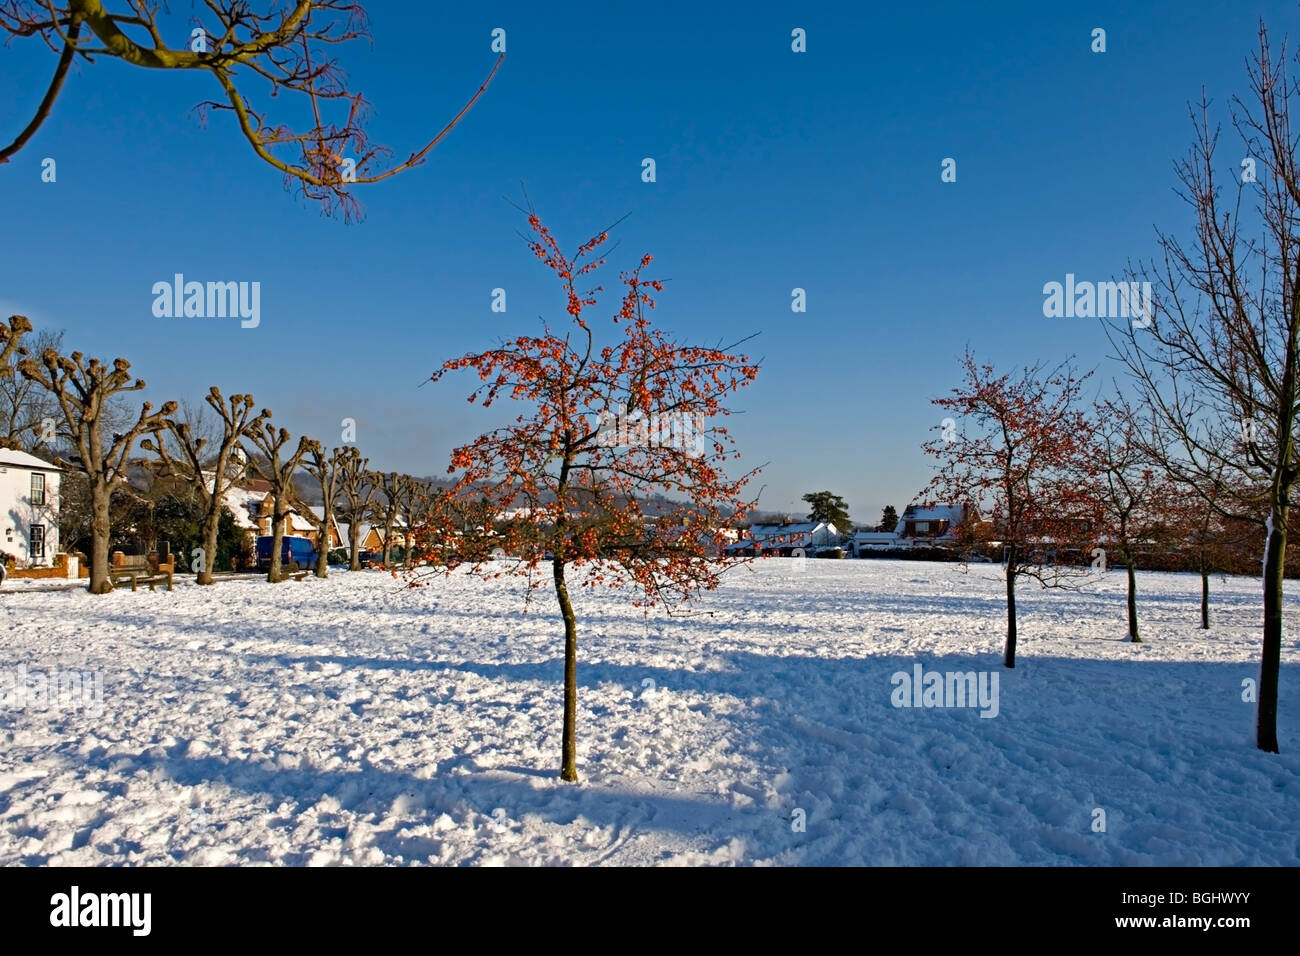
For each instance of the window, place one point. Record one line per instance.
(38, 542)
(38, 488)
(923, 527)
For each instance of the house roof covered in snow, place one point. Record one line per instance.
(783, 535)
(242, 503)
(803, 527)
(13, 458)
(299, 522)
(950, 513)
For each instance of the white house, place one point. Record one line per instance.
(29, 494)
(784, 538)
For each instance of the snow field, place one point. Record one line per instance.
(357, 721)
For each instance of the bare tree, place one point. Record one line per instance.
(1218, 370)
(210, 464)
(326, 472)
(1133, 493)
(394, 489)
(357, 493)
(28, 413)
(277, 467)
(1213, 541)
(12, 351)
(289, 46)
(416, 506)
(83, 390)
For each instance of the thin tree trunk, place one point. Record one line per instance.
(354, 540)
(276, 574)
(569, 743)
(211, 523)
(100, 529)
(1132, 602)
(1270, 660)
(323, 550)
(1205, 596)
(1009, 653)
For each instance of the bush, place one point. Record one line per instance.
(911, 554)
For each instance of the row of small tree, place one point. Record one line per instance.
(1202, 433)
(1065, 489)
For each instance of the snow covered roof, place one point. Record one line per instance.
(12, 458)
(951, 513)
(804, 527)
(299, 522)
(242, 503)
(782, 535)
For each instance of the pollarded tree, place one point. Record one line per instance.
(1019, 456)
(572, 485)
(394, 489)
(356, 495)
(28, 413)
(210, 464)
(324, 470)
(1218, 368)
(277, 466)
(417, 504)
(83, 390)
(11, 352)
(288, 45)
(11, 342)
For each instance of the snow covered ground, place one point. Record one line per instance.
(355, 721)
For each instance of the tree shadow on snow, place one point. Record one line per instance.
(1156, 741)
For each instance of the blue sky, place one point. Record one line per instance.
(775, 170)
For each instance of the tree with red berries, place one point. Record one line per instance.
(606, 423)
(1015, 449)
